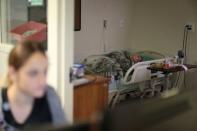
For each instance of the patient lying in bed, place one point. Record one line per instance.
(117, 63)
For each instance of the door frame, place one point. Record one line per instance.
(60, 50)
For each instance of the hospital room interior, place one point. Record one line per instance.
(116, 65)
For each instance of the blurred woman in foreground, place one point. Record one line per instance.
(28, 101)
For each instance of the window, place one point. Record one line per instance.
(21, 19)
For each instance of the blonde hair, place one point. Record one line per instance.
(20, 54)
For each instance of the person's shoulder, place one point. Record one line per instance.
(2, 89)
(55, 106)
(50, 89)
(52, 96)
(51, 93)
(3, 96)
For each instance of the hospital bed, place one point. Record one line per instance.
(129, 77)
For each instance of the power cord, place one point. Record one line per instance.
(187, 28)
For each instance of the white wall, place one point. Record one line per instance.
(90, 40)
(158, 25)
(3, 67)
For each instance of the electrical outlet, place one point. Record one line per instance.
(190, 27)
(122, 23)
(105, 24)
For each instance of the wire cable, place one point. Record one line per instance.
(183, 46)
(184, 49)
